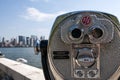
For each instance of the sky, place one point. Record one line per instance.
(36, 17)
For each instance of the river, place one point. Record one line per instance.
(26, 53)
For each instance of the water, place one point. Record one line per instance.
(26, 53)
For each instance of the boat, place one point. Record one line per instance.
(22, 60)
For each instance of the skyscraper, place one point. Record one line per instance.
(3, 42)
(21, 40)
(27, 41)
(33, 40)
(14, 42)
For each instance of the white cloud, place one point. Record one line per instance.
(36, 15)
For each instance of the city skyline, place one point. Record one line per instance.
(18, 36)
(21, 41)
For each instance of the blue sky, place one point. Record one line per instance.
(36, 17)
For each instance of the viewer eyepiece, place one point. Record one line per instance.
(76, 33)
(97, 33)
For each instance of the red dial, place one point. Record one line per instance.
(86, 20)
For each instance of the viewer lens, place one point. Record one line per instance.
(97, 33)
(76, 33)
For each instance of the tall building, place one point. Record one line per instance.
(27, 41)
(14, 42)
(33, 40)
(21, 40)
(3, 42)
(7, 43)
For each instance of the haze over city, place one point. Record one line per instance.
(36, 17)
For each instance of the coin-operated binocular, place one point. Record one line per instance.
(82, 46)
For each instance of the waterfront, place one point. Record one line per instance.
(26, 53)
